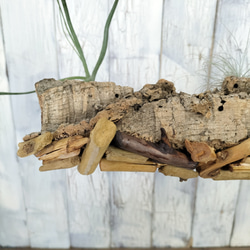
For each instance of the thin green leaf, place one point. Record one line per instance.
(105, 40)
(74, 38)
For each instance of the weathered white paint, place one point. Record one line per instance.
(13, 225)
(88, 196)
(113, 209)
(214, 212)
(181, 60)
(241, 230)
(134, 51)
(31, 55)
(173, 211)
(186, 41)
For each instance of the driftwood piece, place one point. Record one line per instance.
(100, 138)
(226, 157)
(241, 166)
(116, 154)
(200, 151)
(106, 165)
(182, 173)
(159, 152)
(64, 148)
(225, 175)
(31, 136)
(60, 164)
(34, 145)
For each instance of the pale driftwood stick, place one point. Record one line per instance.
(60, 154)
(159, 152)
(242, 166)
(34, 145)
(60, 164)
(100, 138)
(66, 145)
(106, 165)
(228, 175)
(116, 154)
(182, 173)
(200, 151)
(226, 157)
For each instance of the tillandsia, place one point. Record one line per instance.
(74, 42)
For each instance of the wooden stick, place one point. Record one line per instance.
(226, 157)
(34, 145)
(100, 138)
(60, 164)
(182, 173)
(228, 175)
(116, 154)
(66, 145)
(160, 152)
(106, 165)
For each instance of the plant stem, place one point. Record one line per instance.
(105, 40)
(17, 93)
(74, 38)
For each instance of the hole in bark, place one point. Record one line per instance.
(160, 106)
(222, 102)
(236, 85)
(220, 108)
(116, 95)
(137, 107)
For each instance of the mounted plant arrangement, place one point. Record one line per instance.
(86, 123)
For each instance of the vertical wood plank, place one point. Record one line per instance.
(232, 37)
(173, 211)
(214, 212)
(88, 196)
(186, 41)
(241, 230)
(13, 229)
(31, 55)
(187, 30)
(216, 202)
(134, 61)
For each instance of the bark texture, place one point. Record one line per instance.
(219, 118)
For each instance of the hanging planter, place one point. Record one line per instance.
(87, 123)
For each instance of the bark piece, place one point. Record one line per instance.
(106, 165)
(116, 154)
(60, 164)
(63, 148)
(200, 151)
(182, 173)
(233, 84)
(226, 157)
(159, 152)
(100, 138)
(34, 145)
(71, 101)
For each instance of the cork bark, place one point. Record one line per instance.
(219, 118)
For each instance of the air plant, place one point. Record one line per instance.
(227, 63)
(74, 42)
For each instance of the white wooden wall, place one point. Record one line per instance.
(149, 39)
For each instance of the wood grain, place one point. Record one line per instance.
(13, 229)
(30, 57)
(88, 196)
(134, 51)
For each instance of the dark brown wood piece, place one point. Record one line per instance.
(160, 152)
